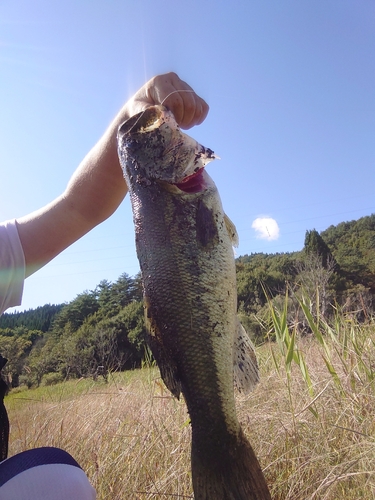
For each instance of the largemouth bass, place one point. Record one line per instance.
(184, 246)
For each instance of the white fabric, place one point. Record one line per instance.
(12, 266)
(49, 482)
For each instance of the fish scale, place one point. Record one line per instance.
(184, 246)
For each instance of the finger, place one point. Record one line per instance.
(190, 105)
(175, 103)
(179, 98)
(187, 107)
(194, 109)
(201, 110)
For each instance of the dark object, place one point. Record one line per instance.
(3, 362)
(4, 421)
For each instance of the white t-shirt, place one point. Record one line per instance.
(12, 266)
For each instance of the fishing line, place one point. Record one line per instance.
(174, 92)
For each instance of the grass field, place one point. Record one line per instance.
(311, 422)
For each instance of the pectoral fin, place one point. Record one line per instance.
(232, 231)
(165, 362)
(245, 365)
(168, 370)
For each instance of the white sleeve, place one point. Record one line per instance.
(12, 266)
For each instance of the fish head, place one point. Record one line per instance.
(152, 149)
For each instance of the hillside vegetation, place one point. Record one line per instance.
(102, 330)
(310, 420)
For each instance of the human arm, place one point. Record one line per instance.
(97, 187)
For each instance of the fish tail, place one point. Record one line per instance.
(229, 472)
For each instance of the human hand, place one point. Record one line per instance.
(169, 90)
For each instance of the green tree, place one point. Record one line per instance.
(15, 350)
(76, 312)
(315, 245)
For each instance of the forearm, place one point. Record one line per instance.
(98, 187)
(93, 193)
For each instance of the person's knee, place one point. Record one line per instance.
(44, 473)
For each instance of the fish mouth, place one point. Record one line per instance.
(193, 183)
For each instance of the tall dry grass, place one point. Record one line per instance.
(314, 436)
(130, 436)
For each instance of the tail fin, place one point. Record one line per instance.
(228, 472)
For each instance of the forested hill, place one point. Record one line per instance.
(103, 329)
(339, 263)
(353, 246)
(34, 319)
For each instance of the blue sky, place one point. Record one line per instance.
(290, 86)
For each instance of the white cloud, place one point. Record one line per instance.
(266, 228)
